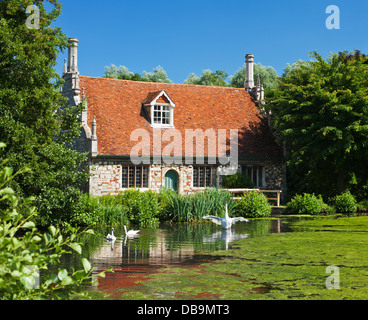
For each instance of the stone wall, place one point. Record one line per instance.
(105, 179)
(274, 176)
(107, 176)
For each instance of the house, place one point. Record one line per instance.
(184, 137)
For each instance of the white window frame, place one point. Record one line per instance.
(171, 115)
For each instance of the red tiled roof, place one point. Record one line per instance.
(117, 106)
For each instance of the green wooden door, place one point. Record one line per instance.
(171, 180)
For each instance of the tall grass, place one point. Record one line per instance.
(187, 208)
(104, 210)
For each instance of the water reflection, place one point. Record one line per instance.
(132, 258)
(225, 236)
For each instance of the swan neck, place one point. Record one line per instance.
(226, 213)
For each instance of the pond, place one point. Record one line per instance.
(133, 258)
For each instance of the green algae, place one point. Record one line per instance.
(288, 266)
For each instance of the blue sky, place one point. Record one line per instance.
(193, 35)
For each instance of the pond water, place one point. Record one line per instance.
(132, 258)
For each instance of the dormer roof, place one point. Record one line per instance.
(158, 97)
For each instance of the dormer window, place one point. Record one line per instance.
(161, 114)
(160, 109)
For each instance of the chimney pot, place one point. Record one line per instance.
(249, 78)
(73, 55)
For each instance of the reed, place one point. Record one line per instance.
(104, 211)
(112, 215)
(188, 208)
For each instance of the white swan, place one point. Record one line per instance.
(111, 237)
(225, 222)
(130, 232)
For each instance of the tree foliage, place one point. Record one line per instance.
(157, 75)
(267, 75)
(208, 78)
(121, 73)
(320, 109)
(37, 130)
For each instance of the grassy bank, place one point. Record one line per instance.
(149, 208)
(275, 266)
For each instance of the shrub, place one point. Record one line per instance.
(344, 203)
(141, 207)
(111, 210)
(253, 204)
(306, 204)
(105, 210)
(362, 207)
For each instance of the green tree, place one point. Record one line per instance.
(209, 78)
(267, 75)
(320, 110)
(121, 73)
(157, 75)
(37, 130)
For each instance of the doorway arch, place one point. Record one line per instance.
(172, 180)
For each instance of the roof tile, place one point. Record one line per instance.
(117, 106)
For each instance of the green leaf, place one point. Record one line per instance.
(29, 225)
(76, 247)
(79, 275)
(67, 281)
(52, 230)
(86, 265)
(8, 171)
(47, 238)
(36, 239)
(62, 274)
(90, 231)
(6, 191)
(16, 274)
(28, 282)
(29, 200)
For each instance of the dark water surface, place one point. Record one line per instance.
(132, 258)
